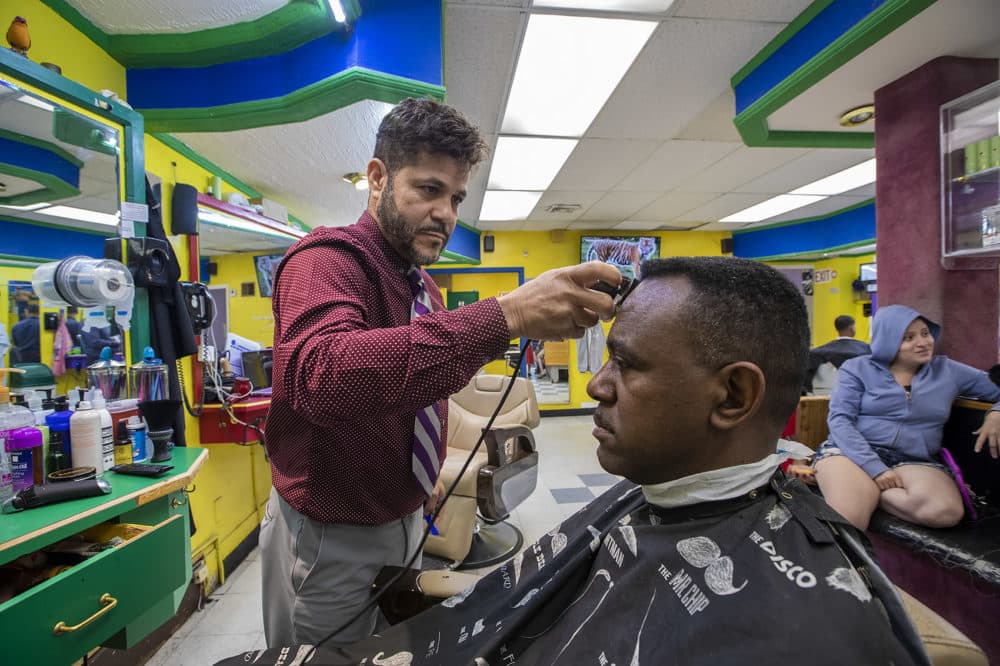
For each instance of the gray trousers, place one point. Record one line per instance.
(316, 576)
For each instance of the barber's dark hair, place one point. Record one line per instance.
(743, 310)
(843, 322)
(418, 126)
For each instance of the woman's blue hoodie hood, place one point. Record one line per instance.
(888, 327)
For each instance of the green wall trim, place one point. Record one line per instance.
(795, 256)
(296, 221)
(282, 30)
(469, 227)
(53, 188)
(14, 260)
(459, 258)
(789, 31)
(44, 145)
(182, 148)
(789, 223)
(332, 93)
(752, 124)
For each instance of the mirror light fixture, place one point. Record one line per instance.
(358, 180)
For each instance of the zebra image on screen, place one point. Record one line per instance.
(626, 253)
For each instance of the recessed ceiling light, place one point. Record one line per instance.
(507, 205)
(859, 115)
(83, 215)
(31, 207)
(527, 163)
(337, 7)
(358, 180)
(773, 206)
(567, 69)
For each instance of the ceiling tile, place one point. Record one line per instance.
(812, 166)
(672, 163)
(739, 168)
(618, 206)
(714, 122)
(721, 226)
(672, 204)
(721, 206)
(591, 224)
(584, 199)
(115, 17)
(640, 226)
(676, 76)
(616, 157)
(782, 11)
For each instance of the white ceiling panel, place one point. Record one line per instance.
(618, 206)
(672, 204)
(948, 27)
(715, 122)
(584, 199)
(721, 206)
(739, 168)
(591, 224)
(312, 160)
(616, 159)
(676, 76)
(151, 16)
(722, 226)
(501, 225)
(812, 166)
(630, 225)
(782, 11)
(674, 162)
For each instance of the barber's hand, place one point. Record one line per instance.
(888, 479)
(990, 431)
(437, 495)
(558, 304)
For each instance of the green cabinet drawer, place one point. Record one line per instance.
(129, 579)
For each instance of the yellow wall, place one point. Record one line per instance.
(539, 251)
(55, 40)
(249, 316)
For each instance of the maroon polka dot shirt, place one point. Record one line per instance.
(351, 370)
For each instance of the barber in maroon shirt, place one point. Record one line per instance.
(351, 371)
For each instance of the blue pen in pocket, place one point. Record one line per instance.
(434, 530)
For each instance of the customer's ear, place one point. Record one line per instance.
(741, 392)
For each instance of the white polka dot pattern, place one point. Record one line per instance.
(351, 370)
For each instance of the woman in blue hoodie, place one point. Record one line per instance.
(886, 418)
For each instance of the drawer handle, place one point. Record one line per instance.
(107, 601)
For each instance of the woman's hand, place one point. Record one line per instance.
(888, 479)
(989, 432)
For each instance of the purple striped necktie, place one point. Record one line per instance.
(427, 426)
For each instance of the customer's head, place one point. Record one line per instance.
(845, 326)
(902, 335)
(72, 311)
(33, 309)
(706, 362)
(424, 152)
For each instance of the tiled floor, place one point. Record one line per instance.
(549, 392)
(569, 477)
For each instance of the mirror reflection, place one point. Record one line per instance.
(56, 165)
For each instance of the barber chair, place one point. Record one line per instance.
(472, 526)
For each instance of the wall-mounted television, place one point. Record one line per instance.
(625, 252)
(265, 265)
(868, 272)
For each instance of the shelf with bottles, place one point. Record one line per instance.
(970, 175)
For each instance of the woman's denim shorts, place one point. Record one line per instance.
(889, 457)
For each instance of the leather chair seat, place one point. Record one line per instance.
(453, 463)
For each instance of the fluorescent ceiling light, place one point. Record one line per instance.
(650, 6)
(220, 220)
(83, 215)
(528, 163)
(842, 181)
(34, 101)
(338, 11)
(567, 69)
(504, 205)
(35, 206)
(773, 206)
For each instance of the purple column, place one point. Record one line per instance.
(908, 210)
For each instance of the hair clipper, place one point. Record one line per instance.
(35, 496)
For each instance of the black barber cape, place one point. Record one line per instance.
(773, 577)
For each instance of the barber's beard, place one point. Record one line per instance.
(399, 231)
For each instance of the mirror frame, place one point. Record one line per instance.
(25, 71)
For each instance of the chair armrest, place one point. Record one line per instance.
(507, 444)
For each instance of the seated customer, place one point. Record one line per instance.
(825, 360)
(886, 419)
(705, 561)
(95, 339)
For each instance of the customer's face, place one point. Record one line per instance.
(417, 207)
(917, 347)
(654, 398)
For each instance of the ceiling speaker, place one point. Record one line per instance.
(726, 246)
(489, 243)
(184, 210)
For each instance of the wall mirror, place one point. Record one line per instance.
(57, 166)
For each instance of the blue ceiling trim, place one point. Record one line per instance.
(398, 37)
(464, 241)
(36, 158)
(825, 28)
(848, 227)
(36, 240)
